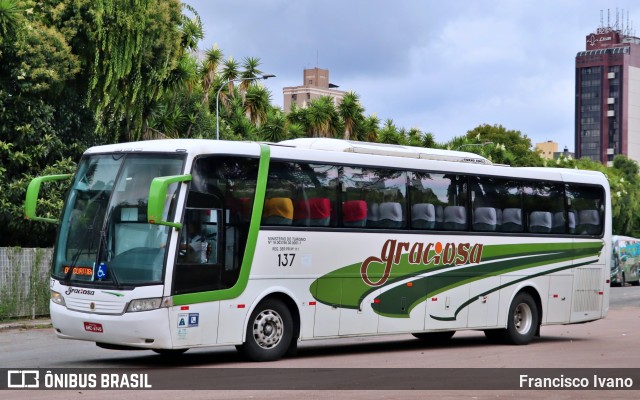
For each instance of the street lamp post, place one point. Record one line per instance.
(267, 76)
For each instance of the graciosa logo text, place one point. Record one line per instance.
(420, 253)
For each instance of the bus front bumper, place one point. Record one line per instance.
(144, 330)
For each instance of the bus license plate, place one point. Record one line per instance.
(93, 327)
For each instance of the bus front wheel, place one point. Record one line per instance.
(269, 332)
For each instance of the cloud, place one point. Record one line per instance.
(444, 67)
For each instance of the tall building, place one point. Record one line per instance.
(315, 84)
(608, 94)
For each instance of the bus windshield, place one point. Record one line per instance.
(105, 236)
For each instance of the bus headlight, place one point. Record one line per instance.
(144, 304)
(57, 298)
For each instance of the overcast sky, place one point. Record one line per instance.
(444, 67)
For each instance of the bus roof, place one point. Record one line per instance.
(346, 150)
(394, 150)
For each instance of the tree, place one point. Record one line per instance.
(298, 116)
(250, 71)
(275, 127)
(37, 129)
(370, 128)
(390, 134)
(230, 72)
(210, 67)
(322, 117)
(135, 46)
(500, 145)
(10, 19)
(351, 112)
(257, 103)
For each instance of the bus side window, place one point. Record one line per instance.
(586, 208)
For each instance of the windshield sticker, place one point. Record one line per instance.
(83, 271)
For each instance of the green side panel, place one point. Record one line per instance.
(496, 260)
(157, 197)
(250, 249)
(33, 191)
(495, 289)
(426, 287)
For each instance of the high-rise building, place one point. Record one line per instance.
(608, 94)
(315, 84)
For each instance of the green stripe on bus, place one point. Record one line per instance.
(426, 287)
(511, 283)
(328, 289)
(250, 249)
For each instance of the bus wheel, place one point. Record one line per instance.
(434, 337)
(269, 332)
(522, 320)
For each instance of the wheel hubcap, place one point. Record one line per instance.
(268, 329)
(522, 318)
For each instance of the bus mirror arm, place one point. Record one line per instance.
(32, 196)
(157, 196)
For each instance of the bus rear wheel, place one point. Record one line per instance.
(269, 332)
(522, 322)
(523, 319)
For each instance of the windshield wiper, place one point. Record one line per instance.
(105, 247)
(74, 260)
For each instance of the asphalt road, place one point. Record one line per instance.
(613, 342)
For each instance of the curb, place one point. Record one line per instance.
(26, 324)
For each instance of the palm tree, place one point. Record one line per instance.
(250, 66)
(299, 116)
(390, 134)
(256, 104)
(230, 72)
(191, 29)
(10, 18)
(185, 75)
(350, 111)
(210, 67)
(370, 128)
(275, 127)
(323, 117)
(166, 120)
(295, 130)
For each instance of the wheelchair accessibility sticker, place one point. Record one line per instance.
(101, 271)
(188, 320)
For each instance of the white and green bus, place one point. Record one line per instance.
(174, 244)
